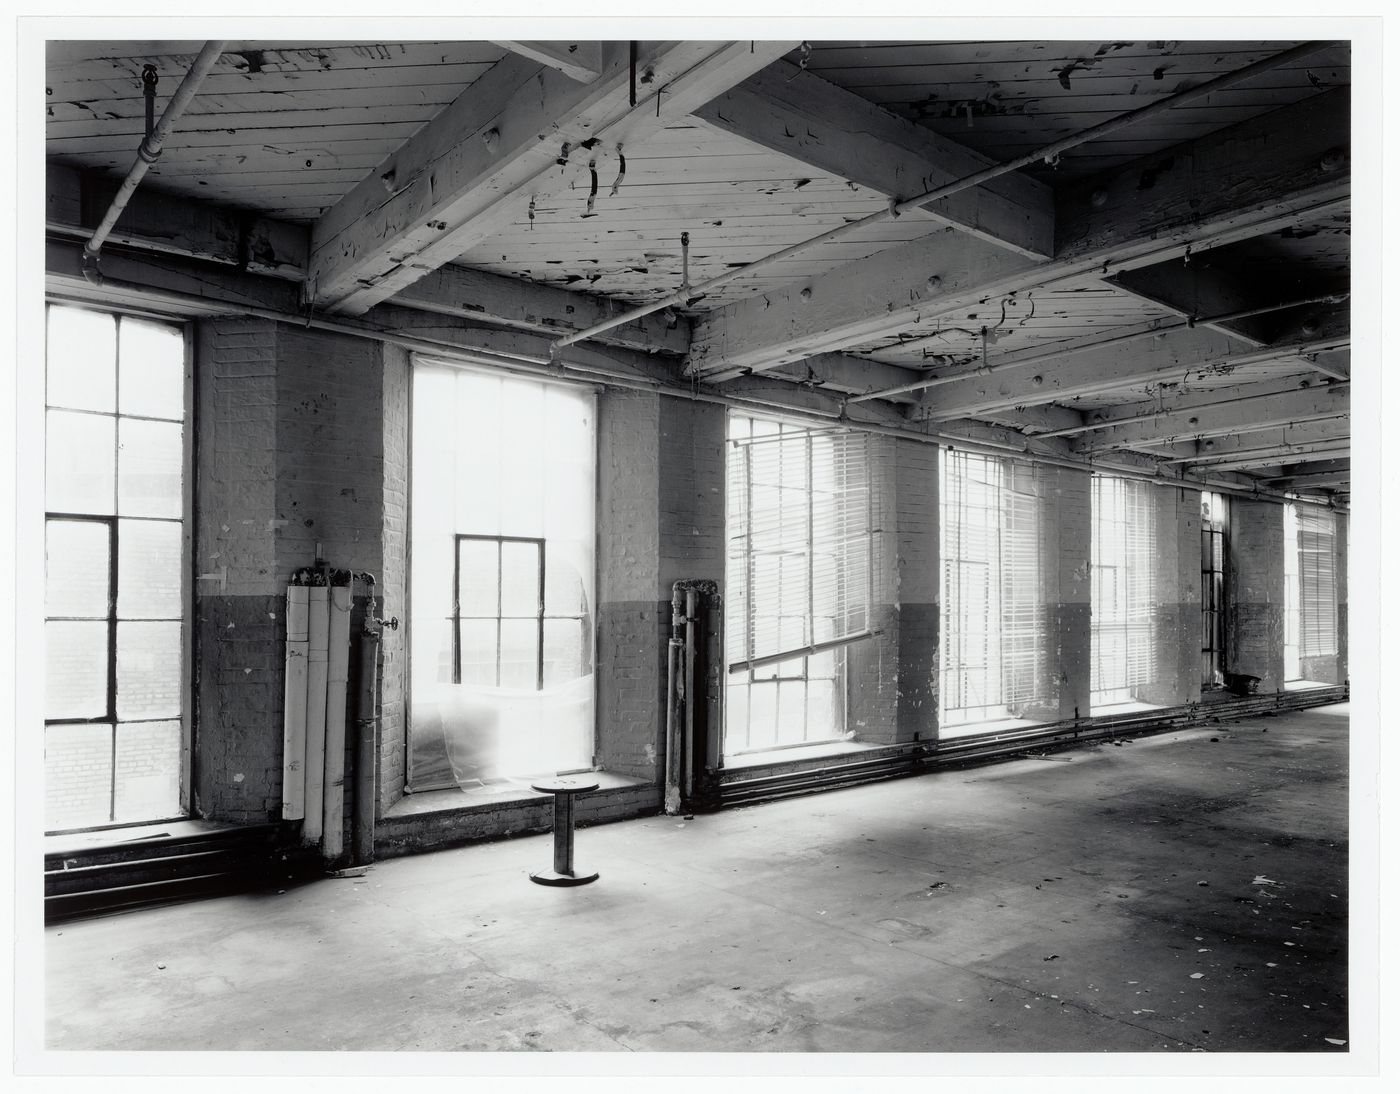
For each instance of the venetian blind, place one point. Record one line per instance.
(799, 540)
(1317, 582)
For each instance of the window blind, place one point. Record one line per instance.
(799, 531)
(1317, 582)
(995, 634)
(1123, 552)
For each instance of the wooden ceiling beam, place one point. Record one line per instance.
(1174, 356)
(473, 168)
(1273, 171)
(235, 239)
(1238, 415)
(836, 132)
(1279, 440)
(581, 61)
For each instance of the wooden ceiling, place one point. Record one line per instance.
(517, 191)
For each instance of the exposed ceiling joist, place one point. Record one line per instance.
(581, 61)
(159, 222)
(472, 169)
(1241, 414)
(1174, 356)
(1264, 458)
(1263, 174)
(1279, 441)
(836, 132)
(1312, 480)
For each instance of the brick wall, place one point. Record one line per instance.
(631, 653)
(1254, 629)
(918, 588)
(1068, 502)
(290, 454)
(393, 588)
(1176, 675)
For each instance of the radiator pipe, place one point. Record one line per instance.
(688, 691)
(682, 661)
(149, 151)
(674, 656)
(367, 727)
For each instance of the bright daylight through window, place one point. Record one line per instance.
(798, 578)
(502, 565)
(116, 584)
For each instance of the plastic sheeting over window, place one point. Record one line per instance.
(501, 603)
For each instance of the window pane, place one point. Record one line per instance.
(520, 654)
(563, 650)
(520, 579)
(149, 670)
(152, 370)
(82, 359)
(79, 455)
(478, 639)
(149, 469)
(477, 563)
(149, 565)
(77, 568)
(76, 673)
(563, 586)
(77, 776)
(148, 771)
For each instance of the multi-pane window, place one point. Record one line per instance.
(501, 555)
(116, 573)
(1215, 521)
(1292, 596)
(1123, 562)
(799, 578)
(1317, 582)
(994, 645)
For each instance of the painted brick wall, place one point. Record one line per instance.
(1068, 498)
(918, 588)
(290, 454)
(631, 621)
(393, 577)
(1176, 676)
(1254, 629)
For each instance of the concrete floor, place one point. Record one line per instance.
(1172, 893)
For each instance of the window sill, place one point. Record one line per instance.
(506, 792)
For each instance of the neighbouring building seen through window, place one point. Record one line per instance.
(798, 579)
(116, 570)
(502, 571)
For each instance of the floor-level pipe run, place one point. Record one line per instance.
(896, 207)
(540, 365)
(150, 148)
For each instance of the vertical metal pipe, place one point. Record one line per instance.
(366, 738)
(150, 148)
(564, 834)
(675, 699)
(692, 607)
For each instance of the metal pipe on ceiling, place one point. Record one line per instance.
(1122, 339)
(150, 149)
(897, 207)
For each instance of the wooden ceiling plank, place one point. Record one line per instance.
(804, 117)
(1195, 290)
(1229, 185)
(468, 171)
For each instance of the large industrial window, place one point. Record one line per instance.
(116, 570)
(994, 644)
(799, 579)
(1215, 523)
(1123, 561)
(502, 564)
(1310, 613)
